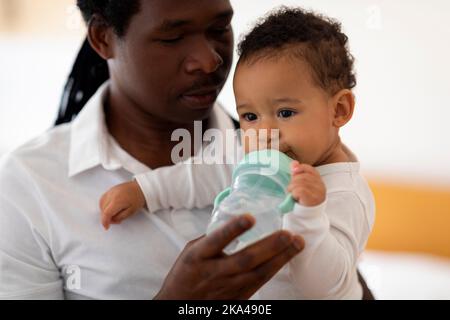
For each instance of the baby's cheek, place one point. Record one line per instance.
(247, 144)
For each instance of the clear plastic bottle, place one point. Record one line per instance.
(259, 188)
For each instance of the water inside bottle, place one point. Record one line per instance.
(263, 207)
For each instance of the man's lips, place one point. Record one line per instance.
(201, 98)
(202, 91)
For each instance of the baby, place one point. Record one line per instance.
(295, 74)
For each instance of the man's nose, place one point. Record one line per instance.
(203, 58)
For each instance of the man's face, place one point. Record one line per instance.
(175, 57)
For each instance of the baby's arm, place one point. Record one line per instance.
(190, 184)
(184, 185)
(194, 183)
(335, 232)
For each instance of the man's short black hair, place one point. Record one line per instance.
(116, 13)
(90, 70)
(316, 39)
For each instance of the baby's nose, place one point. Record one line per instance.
(270, 137)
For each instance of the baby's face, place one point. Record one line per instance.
(281, 94)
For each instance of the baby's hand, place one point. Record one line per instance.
(306, 185)
(120, 202)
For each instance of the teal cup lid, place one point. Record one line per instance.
(269, 162)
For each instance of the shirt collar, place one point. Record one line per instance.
(91, 144)
(88, 135)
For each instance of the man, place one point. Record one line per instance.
(168, 61)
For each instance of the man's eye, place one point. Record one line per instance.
(249, 117)
(286, 113)
(222, 30)
(171, 40)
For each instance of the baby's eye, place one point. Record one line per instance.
(286, 113)
(249, 116)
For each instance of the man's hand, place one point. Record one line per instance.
(120, 202)
(203, 271)
(306, 185)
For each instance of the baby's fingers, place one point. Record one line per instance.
(118, 218)
(108, 214)
(104, 201)
(297, 168)
(106, 220)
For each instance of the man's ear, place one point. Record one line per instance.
(343, 106)
(101, 36)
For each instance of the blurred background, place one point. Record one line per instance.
(400, 130)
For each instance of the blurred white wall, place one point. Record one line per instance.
(406, 276)
(32, 76)
(401, 47)
(38, 44)
(400, 128)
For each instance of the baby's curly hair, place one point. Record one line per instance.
(316, 39)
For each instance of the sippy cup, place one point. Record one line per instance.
(258, 187)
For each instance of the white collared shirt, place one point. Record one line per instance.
(52, 245)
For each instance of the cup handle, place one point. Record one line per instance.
(225, 193)
(287, 205)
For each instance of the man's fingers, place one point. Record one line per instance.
(214, 243)
(256, 278)
(257, 253)
(267, 270)
(192, 242)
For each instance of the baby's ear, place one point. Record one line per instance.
(343, 106)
